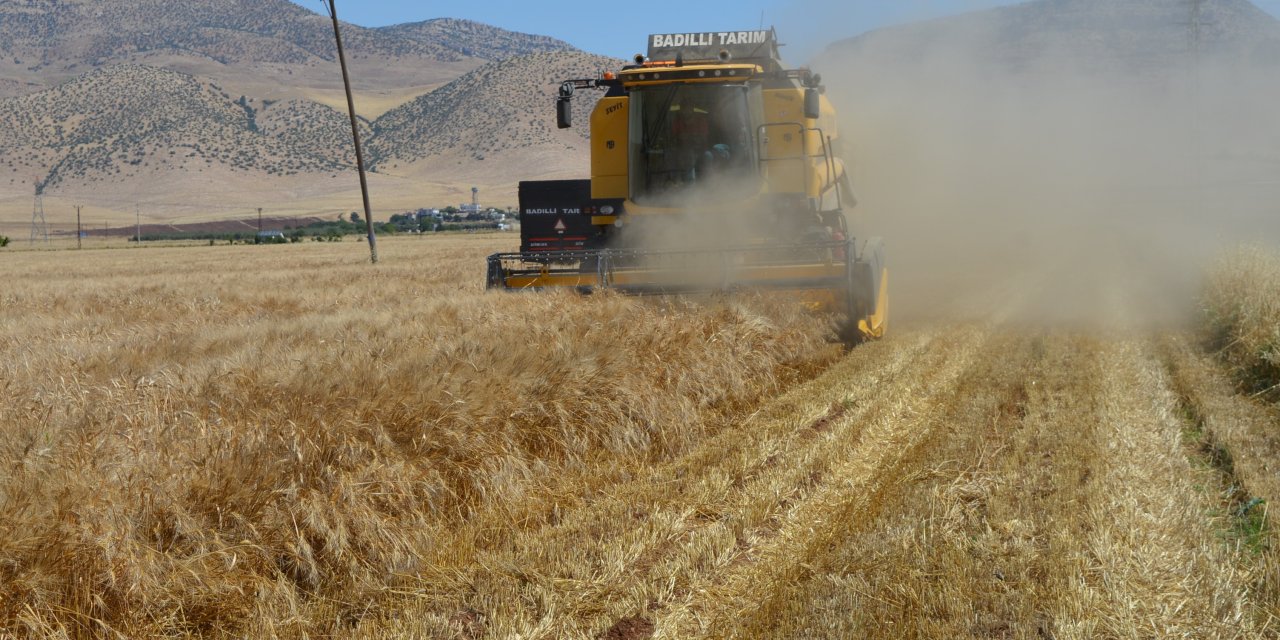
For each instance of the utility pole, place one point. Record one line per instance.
(78, 233)
(259, 239)
(137, 212)
(355, 133)
(1196, 35)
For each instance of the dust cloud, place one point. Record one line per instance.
(1054, 184)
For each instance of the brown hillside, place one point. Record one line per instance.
(309, 127)
(475, 39)
(129, 120)
(226, 104)
(273, 49)
(228, 31)
(133, 133)
(496, 109)
(1127, 36)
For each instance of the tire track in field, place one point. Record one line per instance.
(777, 596)
(640, 547)
(1239, 437)
(860, 480)
(1156, 562)
(1076, 516)
(1249, 430)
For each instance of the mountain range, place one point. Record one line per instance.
(214, 107)
(1129, 37)
(219, 106)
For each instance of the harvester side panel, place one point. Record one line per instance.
(610, 140)
(554, 216)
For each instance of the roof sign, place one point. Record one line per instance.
(708, 45)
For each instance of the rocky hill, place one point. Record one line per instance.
(273, 49)
(137, 125)
(496, 109)
(473, 39)
(55, 34)
(1123, 36)
(310, 128)
(127, 121)
(149, 97)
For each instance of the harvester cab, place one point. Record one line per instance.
(713, 167)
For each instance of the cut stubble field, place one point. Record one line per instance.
(286, 441)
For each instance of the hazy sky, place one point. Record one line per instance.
(619, 28)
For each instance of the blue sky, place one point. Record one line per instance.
(619, 28)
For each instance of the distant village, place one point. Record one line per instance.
(436, 219)
(469, 216)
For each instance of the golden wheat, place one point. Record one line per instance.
(266, 439)
(288, 442)
(1242, 308)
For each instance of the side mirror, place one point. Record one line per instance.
(564, 112)
(812, 104)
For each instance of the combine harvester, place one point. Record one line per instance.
(713, 168)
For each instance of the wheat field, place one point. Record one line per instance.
(286, 441)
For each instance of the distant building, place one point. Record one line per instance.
(474, 207)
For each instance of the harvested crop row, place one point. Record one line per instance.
(886, 444)
(1060, 505)
(651, 540)
(1246, 429)
(268, 440)
(865, 577)
(1240, 436)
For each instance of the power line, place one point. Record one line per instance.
(39, 226)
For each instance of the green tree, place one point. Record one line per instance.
(4, 241)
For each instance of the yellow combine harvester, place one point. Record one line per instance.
(713, 168)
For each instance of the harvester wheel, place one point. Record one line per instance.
(866, 300)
